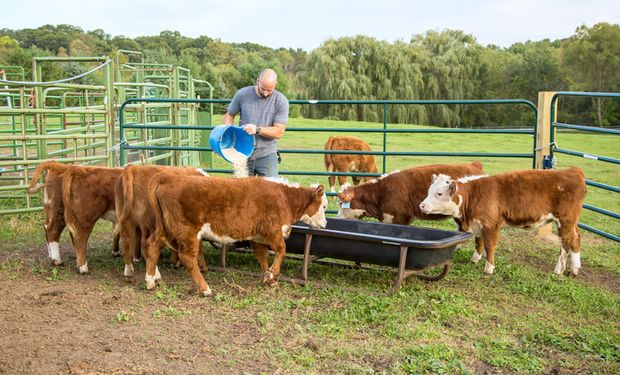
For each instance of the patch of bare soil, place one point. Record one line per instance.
(100, 324)
(589, 275)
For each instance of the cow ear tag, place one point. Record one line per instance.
(345, 204)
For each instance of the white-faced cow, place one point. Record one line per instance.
(395, 197)
(188, 209)
(529, 198)
(348, 162)
(76, 197)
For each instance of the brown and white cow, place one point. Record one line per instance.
(76, 197)
(136, 221)
(395, 197)
(348, 162)
(188, 209)
(529, 198)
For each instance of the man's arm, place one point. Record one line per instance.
(228, 119)
(275, 132)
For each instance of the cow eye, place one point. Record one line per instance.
(439, 194)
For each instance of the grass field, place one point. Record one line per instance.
(523, 319)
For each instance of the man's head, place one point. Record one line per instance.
(266, 82)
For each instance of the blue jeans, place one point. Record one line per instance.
(267, 166)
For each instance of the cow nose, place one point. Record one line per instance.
(422, 206)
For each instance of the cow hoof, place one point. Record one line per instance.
(157, 274)
(116, 253)
(271, 282)
(83, 268)
(207, 293)
(136, 260)
(575, 271)
(128, 270)
(150, 284)
(56, 262)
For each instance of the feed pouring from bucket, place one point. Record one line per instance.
(234, 145)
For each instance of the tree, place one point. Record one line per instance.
(592, 60)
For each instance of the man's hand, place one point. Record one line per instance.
(250, 129)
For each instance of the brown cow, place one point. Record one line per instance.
(225, 210)
(395, 197)
(348, 162)
(76, 197)
(135, 218)
(529, 198)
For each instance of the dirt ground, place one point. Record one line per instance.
(101, 323)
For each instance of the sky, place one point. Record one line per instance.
(307, 24)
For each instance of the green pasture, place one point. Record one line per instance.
(522, 320)
(607, 145)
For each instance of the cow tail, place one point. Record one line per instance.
(120, 205)
(47, 165)
(67, 181)
(158, 212)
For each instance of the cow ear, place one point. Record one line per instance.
(320, 190)
(452, 187)
(434, 178)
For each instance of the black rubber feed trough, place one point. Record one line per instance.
(411, 249)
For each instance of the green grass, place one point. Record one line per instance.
(599, 144)
(523, 319)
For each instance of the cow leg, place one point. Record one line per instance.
(569, 234)
(478, 250)
(115, 246)
(342, 180)
(155, 244)
(202, 262)
(261, 252)
(188, 253)
(129, 238)
(279, 248)
(332, 182)
(489, 237)
(52, 229)
(80, 242)
(356, 180)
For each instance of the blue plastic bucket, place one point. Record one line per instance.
(230, 136)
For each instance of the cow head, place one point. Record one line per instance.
(440, 197)
(314, 215)
(346, 205)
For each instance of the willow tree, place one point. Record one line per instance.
(450, 64)
(360, 68)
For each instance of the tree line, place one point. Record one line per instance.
(447, 64)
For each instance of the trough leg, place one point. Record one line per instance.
(223, 255)
(304, 268)
(402, 261)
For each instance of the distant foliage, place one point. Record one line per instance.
(448, 64)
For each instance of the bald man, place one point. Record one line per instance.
(263, 113)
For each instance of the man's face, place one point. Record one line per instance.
(265, 89)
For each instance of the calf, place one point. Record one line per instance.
(76, 197)
(522, 198)
(348, 162)
(136, 221)
(395, 197)
(257, 209)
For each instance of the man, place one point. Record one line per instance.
(264, 114)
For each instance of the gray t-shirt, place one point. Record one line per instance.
(263, 112)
